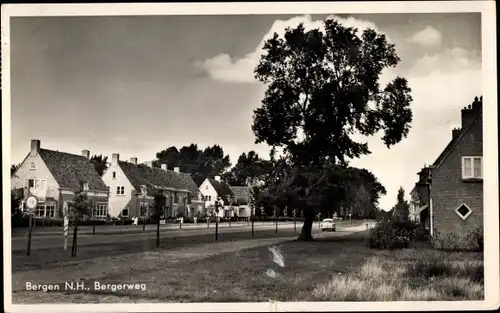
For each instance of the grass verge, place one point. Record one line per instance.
(329, 269)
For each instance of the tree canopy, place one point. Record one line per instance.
(249, 169)
(323, 87)
(100, 163)
(199, 163)
(402, 208)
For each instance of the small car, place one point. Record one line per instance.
(328, 225)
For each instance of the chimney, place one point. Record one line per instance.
(455, 132)
(477, 104)
(133, 161)
(35, 147)
(217, 178)
(149, 164)
(164, 167)
(177, 169)
(86, 154)
(471, 110)
(115, 158)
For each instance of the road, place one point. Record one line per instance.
(47, 251)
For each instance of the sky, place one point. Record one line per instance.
(136, 85)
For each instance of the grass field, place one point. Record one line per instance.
(329, 269)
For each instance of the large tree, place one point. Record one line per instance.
(323, 88)
(100, 163)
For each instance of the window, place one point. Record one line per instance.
(101, 211)
(50, 210)
(176, 197)
(31, 183)
(40, 210)
(144, 209)
(472, 167)
(32, 166)
(125, 213)
(120, 190)
(114, 175)
(206, 187)
(463, 211)
(209, 198)
(85, 186)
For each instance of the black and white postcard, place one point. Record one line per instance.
(279, 156)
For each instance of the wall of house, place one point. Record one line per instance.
(118, 202)
(41, 171)
(67, 196)
(207, 189)
(244, 211)
(449, 191)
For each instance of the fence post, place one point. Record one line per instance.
(216, 229)
(276, 224)
(252, 227)
(294, 225)
(30, 226)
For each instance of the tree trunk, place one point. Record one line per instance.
(306, 232)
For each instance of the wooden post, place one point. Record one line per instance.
(230, 221)
(144, 224)
(294, 224)
(276, 224)
(93, 227)
(30, 226)
(75, 232)
(158, 232)
(216, 229)
(252, 227)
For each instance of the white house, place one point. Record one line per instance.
(54, 177)
(234, 200)
(133, 187)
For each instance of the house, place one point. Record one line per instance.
(234, 200)
(54, 177)
(134, 186)
(449, 193)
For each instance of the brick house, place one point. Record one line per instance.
(133, 187)
(54, 177)
(449, 193)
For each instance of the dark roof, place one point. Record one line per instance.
(242, 194)
(71, 170)
(223, 189)
(456, 139)
(155, 178)
(189, 183)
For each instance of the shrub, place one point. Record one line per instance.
(392, 233)
(476, 240)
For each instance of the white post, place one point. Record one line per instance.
(66, 228)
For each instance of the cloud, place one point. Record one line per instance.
(428, 37)
(227, 69)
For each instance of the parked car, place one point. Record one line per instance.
(328, 225)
